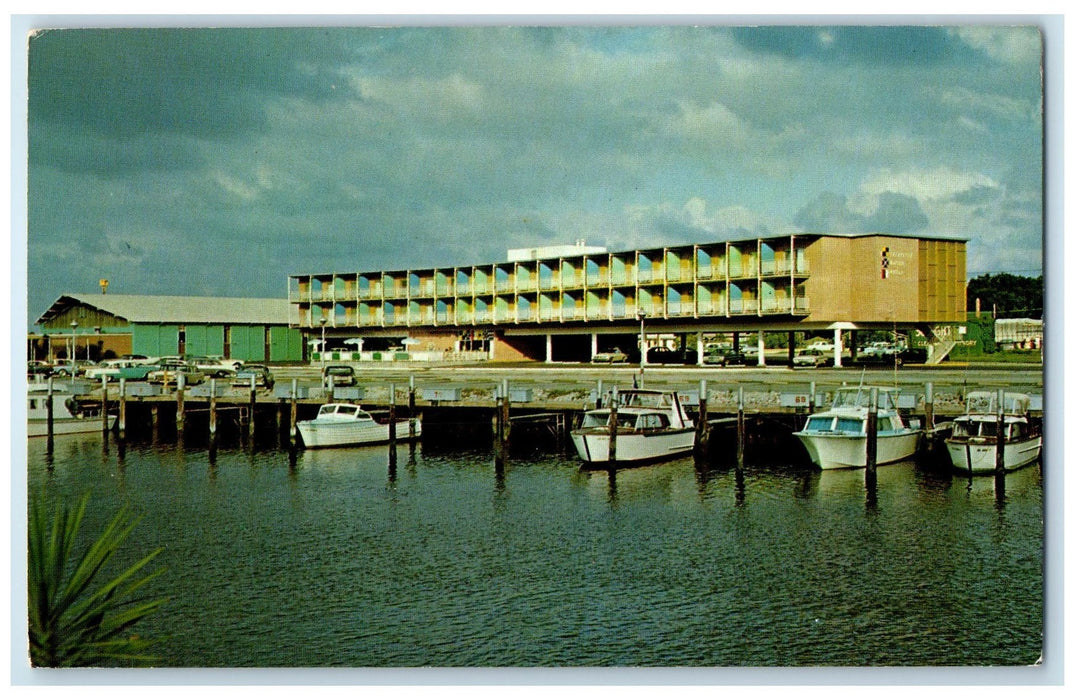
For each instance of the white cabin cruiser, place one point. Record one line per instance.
(650, 426)
(836, 438)
(68, 416)
(346, 424)
(972, 446)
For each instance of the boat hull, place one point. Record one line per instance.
(976, 457)
(592, 446)
(836, 451)
(320, 433)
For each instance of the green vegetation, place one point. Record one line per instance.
(1012, 295)
(972, 354)
(73, 619)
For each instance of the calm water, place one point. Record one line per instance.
(340, 560)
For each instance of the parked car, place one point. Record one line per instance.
(713, 356)
(216, 366)
(668, 356)
(169, 372)
(610, 356)
(260, 373)
(811, 357)
(38, 369)
(738, 358)
(342, 375)
(120, 369)
(67, 368)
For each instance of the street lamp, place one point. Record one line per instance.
(642, 349)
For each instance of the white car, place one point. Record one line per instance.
(215, 366)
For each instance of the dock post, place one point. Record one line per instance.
(812, 401)
(498, 429)
(392, 414)
(505, 421)
(154, 422)
(599, 401)
(701, 431)
(180, 408)
(929, 409)
(292, 428)
(212, 408)
(613, 427)
(50, 420)
(411, 410)
(740, 432)
(104, 405)
(331, 388)
(253, 406)
(122, 409)
(871, 448)
(999, 464)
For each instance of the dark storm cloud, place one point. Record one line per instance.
(894, 213)
(136, 85)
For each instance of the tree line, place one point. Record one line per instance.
(1012, 296)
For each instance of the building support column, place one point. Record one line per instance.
(593, 345)
(854, 346)
(700, 347)
(492, 347)
(548, 348)
(837, 348)
(791, 348)
(761, 348)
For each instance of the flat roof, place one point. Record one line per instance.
(137, 308)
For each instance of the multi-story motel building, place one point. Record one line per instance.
(567, 303)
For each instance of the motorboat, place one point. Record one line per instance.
(650, 426)
(68, 415)
(346, 424)
(972, 446)
(836, 438)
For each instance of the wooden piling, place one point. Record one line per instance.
(701, 430)
(812, 401)
(1001, 438)
(253, 407)
(411, 413)
(104, 404)
(929, 409)
(212, 408)
(600, 398)
(122, 408)
(50, 418)
(331, 387)
(180, 408)
(740, 432)
(871, 433)
(292, 427)
(392, 414)
(505, 419)
(613, 427)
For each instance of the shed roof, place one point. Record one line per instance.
(137, 308)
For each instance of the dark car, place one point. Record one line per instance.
(260, 373)
(342, 375)
(668, 356)
(737, 358)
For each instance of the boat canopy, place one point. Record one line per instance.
(859, 397)
(985, 402)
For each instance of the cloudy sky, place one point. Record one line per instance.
(219, 161)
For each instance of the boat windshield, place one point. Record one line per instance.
(975, 428)
(338, 410)
(633, 400)
(849, 425)
(597, 419)
(859, 397)
(819, 423)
